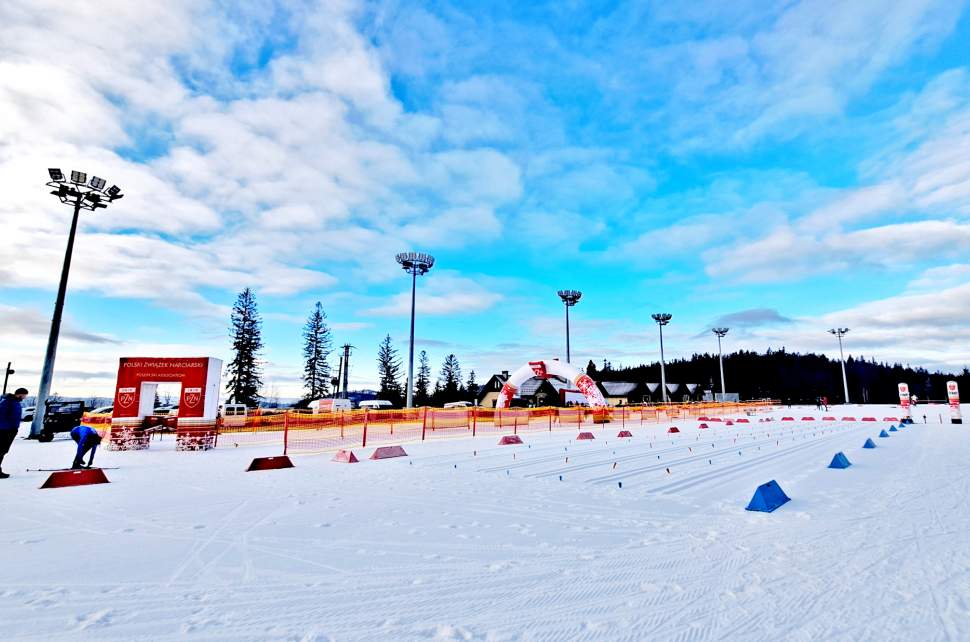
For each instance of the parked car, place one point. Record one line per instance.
(29, 413)
(167, 411)
(61, 416)
(458, 404)
(103, 410)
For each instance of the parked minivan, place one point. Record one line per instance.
(329, 405)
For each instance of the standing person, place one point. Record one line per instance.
(11, 413)
(87, 439)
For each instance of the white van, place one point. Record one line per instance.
(375, 404)
(233, 410)
(329, 405)
(458, 404)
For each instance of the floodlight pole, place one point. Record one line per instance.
(840, 332)
(662, 319)
(414, 263)
(569, 298)
(720, 332)
(80, 194)
(37, 423)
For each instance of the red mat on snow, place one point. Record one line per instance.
(83, 477)
(509, 440)
(270, 463)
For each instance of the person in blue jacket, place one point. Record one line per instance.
(87, 440)
(11, 413)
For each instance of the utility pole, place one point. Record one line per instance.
(346, 362)
(9, 371)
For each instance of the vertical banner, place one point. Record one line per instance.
(953, 398)
(904, 399)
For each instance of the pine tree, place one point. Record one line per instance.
(450, 379)
(471, 387)
(423, 381)
(389, 371)
(245, 378)
(316, 348)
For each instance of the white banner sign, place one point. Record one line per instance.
(953, 398)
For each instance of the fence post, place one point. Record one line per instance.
(550, 419)
(474, 420)
(364, 441)
(286, 430)
(515, 423)
(424, 423)
(341, 415)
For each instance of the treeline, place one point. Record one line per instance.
(791, 376)
(447, 387)
(245, 377)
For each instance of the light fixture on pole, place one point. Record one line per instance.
(80, 194)
(720, 332)
(662, 319)
(840, 332)
(570, 298)
(414, 263)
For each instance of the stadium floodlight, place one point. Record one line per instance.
(662, 319)
(414, 263)
(80, 196)
(720, 332)
(569, 298)
(841, 332)
(114, 193)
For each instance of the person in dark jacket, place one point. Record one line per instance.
(87, 440)
(11, 413)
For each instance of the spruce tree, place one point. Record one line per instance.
(245, 378)
(423, 380)
(389, 371)
(450, 379)
(471, 387)
(316, 348)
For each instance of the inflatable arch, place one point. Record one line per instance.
(544, 370)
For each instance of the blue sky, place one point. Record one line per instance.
(777, 167)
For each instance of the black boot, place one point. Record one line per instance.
(3, 475)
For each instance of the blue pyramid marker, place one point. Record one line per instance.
(869, 444)
(840, 461)
(767, 497)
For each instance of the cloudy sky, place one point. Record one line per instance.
(777, 167)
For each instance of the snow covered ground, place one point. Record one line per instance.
(466, 540)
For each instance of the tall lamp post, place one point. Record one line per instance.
(720, 332)
(840, 332)
(414, 263)
(662, 319)
(81, 194)
(569, 298)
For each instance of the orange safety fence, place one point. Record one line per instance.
(296, 431)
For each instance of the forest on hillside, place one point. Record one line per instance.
(784, 375)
